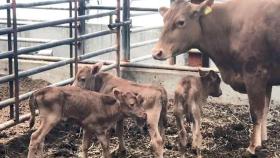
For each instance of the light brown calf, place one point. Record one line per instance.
(95, 112)
(155, 101)
(191, 93)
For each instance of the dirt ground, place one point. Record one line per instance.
(225, 130)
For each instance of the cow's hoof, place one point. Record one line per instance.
(262, 152)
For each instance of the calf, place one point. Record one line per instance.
(95, 112)
(191, 93)
(155, 101)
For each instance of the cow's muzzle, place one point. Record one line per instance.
(158, 54)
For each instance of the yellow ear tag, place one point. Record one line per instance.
(207, 10)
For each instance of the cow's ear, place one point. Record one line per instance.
(203, 9)
(162, 10)
(96, 68)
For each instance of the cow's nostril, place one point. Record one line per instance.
(159, 54)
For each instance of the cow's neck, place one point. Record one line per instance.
(215, 42)
(215, 34)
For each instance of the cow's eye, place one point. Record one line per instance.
(180, 23)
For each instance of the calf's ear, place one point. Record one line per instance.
(140, 99)
(117, 93)
(108, 100)
(162, 10)
(202, 73)
(212, 75)
(96, 68)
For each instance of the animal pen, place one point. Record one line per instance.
(120, 26)
(225, 127)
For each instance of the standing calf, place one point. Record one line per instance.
(191, 93)
(155, 101)
(95, 112)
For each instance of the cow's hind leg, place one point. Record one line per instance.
(156, 139)
(256, 89)
(266, 109)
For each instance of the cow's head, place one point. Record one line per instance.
(181, 30)
(131, 104)
(211, 82)
(86, 75)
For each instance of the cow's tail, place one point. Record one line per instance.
(164, 100)
(32, 107)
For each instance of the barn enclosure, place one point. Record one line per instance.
(52, 51)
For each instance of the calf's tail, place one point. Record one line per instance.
(164, 100)
(32, 106)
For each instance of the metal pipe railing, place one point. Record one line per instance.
(131, 8)
(55, 22)
(141, 29)
(54, 44)
(140, 44)
(33, 4)
(55, 65)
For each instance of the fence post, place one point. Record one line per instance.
(118, 39)
(71, 35)
(126, 31)
(10, 47)
(15, 61)
(82, 26)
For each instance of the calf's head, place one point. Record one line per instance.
(182, 29)
(131, 104)
(211, 82)
(85, 77)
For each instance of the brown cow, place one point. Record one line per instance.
(155, 101)
(190, 94)
(242, 37)
(95, 112)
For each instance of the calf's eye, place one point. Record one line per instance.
(180, 23)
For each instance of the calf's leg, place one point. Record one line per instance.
(37, 138)
(87, 137)
(182, 134)
(156, 139)
(104, 140)
(196, 134)
(119, 130)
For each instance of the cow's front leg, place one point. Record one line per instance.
(266, 109)
(256, 89)
(119, 130)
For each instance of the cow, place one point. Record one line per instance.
(242, 37)
(95, 112)
(190, 94)
(155, 101)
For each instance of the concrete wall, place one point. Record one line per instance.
(167, 78)
(58, 33)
